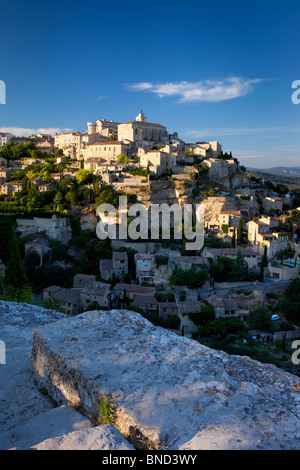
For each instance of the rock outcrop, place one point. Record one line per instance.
(29, 418)
(174, 391)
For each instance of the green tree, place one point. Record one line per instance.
(264, 263)
(239, 270)
(17, 175)
(240, 230)
(204, 315)
(122, 158)
(233, 239)
(15, 286)
(259, 319)
(190, 278)
(58, 199)
(84, 176)
(107, 196)
(15, 275)
(33, 197)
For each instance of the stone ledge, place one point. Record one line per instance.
(176, 392)
(99, 438)
(47, 425)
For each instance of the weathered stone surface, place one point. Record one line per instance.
(50, 424)
(99, 438)
(175, 391)
(20, 398)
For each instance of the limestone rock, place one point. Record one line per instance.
(176, 392)
(99, 438)
(20, 398)
(48, 425)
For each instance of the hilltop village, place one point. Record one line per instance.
(239, 293)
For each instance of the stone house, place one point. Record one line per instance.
(106, 150)
(82, 280)
(45, 146)
(158, 161)
(117, 266)
(120, 263)
(46, 187)
(96, 293)
(5, 172)
(70, 300)
(223, 307)
(283, 273)
(11, 187)
(147, 302)
(167, 309)
(230, 218)
(144, 267)
(184, 308)
(51, 291)
(261, 234)
(272, 204)
(132, 290)
(106, 269)
(251, 255)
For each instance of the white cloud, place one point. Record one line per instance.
(23, 131)
(206, 90)
(231, 131)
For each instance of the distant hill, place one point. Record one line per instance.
(290, 176)
(280, 170)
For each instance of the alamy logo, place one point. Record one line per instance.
(150, 224)
(2, 92)
(2, 353)
(296, 354)
(296, 94)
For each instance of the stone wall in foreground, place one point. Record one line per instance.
(175, 391)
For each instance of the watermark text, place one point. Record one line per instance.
(2, 92)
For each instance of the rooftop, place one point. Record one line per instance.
(134, 288)
(69, 295)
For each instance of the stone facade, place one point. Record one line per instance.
(56, 227)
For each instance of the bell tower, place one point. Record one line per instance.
(141, 117)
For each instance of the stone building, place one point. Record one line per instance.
(117, 266)
(272, 204)
(225, 172)
(83, 280)
(102, 127)
(132, 290)
(5, 137)
(148, 303)
(157, 161)
(223, 307)
(95, 293)
(141, 133)
(262, 233)
(11, 187)
(106, 150)
(167, 309)
(70, 300)
(144, 267)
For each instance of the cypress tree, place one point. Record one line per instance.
(233, 239)
(15, 274)
(240, 230)
(264, 263)
(16, 287)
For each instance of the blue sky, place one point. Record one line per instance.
(219, 70)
